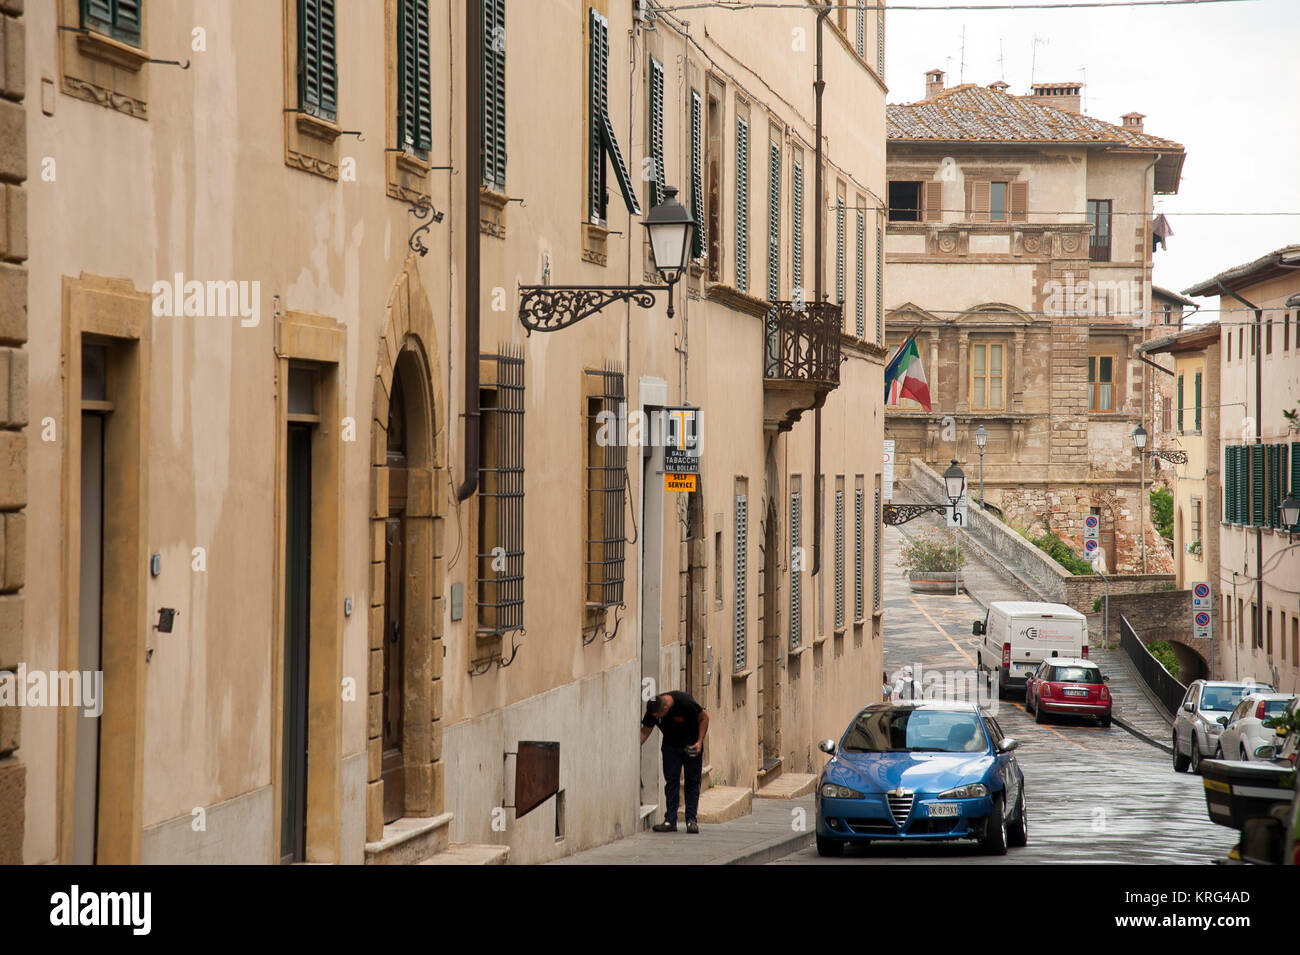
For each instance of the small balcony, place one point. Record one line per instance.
(802, 360)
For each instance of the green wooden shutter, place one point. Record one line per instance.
(1258, 485)
(796, 233)
(880, 285)
(860, 288)
(493, 102)
(862, 28)
(773, 222)
(1229, 486)
(415, 130)
(839, 250)
(1180, 404)
(1270, 485)
(1198, 402)
(656, 112)
(1282, 475)
(880, 41)
(317, 63)
(697, 174)
(119, 19)
(742, 204)
(597, 87)
(1243, 484)
(1295, 474)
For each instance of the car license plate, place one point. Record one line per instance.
(943, 809)
(1070, 691)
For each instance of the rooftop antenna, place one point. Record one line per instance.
(1033, 62)
(1002, 62)
(1083, 105)
(962, 75)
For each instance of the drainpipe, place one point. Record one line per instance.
(818, 240)
(1259, 440)
(473, 177)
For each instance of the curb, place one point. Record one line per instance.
(762, 855)
(1141, 735)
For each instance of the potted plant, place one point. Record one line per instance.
(930, 562)
(1194, 548)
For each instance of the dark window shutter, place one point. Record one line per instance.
(742, 204)
(979, 200)
(1229, 486)
(839, 250)
(597, 86)
(880, 285)
(1270, 485)
(1282, 474)
(932, 201)
(1295, 476)
(860, 289)
(415, 130)
(1243, 484)
(697, 174)
(1180, 404)
(1258, 485)
(773, 222)
(493, 102)
(796, 232)
(317, 66)
(1198, 401)
(656, 131)
(119, 19)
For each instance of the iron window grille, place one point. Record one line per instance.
(606, 487)
(740, 622)
(839, 559)
(317, 62)
(859, 596)
(500, 581)
(415, 129)
(796, 570)
(119, 19)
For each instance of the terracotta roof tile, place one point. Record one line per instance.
(973, 113)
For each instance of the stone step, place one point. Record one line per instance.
(724, 803)
(410, 840)
(788, 786)
(469, 854)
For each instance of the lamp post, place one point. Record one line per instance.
(549, 308)
(1289, 510)
(955, 484)
(981, 439)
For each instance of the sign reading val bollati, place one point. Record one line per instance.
(682, 448)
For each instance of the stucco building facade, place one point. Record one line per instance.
(1019, 249)
(1257, 633)
(330, 585)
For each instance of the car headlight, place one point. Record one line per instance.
(832, 791)
(969, 791)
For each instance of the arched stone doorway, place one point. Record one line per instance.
(408, 460)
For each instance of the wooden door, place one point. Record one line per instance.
(393, 763)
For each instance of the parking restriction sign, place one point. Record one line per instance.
(1201, 597)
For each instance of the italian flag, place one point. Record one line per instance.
(904, 376)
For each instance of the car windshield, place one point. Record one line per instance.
(1077, 675)
(908, 730)
(1222, 697)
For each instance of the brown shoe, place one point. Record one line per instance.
(664, 827)
(693, 827)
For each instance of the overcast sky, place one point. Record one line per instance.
(1222, 79)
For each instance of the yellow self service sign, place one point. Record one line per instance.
(679, 482)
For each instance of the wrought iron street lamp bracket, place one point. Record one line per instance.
(894, 514)
(424, 212)
(1173, 457)
(549, 308)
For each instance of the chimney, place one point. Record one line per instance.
(1061, 95)
(933, 83)
(1133, 121)
(1000, 86)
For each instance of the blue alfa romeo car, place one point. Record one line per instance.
(925, 771)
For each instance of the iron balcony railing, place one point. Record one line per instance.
(1168, 689)
(1099, 248)
(803, 342)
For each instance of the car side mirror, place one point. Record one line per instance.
(1266, 752)
(827, 746)
(1105, 679)
(977, 628)
(1007, 744)
(1188, 707)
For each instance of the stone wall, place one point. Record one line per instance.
(1166, 615)
(1033, 568)
(13, 409)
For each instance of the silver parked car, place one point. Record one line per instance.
(1196, 724)
(1244, 730)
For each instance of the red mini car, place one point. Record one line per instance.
(1061, 687)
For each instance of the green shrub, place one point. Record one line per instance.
(1162, 512)
(1164, 653)
(931, 552)
(1060, 552)
(1096, 605)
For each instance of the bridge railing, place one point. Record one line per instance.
(1165, 686)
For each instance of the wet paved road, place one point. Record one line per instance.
(1094, 795)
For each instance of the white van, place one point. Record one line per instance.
(1016, 636)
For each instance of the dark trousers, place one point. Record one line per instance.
(677, 759)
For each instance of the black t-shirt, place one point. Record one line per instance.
(681, 724)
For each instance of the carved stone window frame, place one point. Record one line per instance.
(310, 142)
(99, 69)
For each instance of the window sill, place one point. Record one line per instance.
(96, 46)
(797, 652)
(742, 676)
(595, 244)
(492, 212)
(317, 128)
(818, 641)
